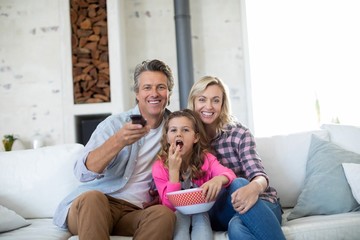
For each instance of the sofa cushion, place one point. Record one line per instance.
(352, 173)
(325, 190)
(284, 158)
(34, 181)
(10, 220)
(39, 229)
(336, 226)
(217, 236)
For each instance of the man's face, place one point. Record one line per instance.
(153, 94)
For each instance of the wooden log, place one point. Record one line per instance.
(94, 38)
(102, 97)
(86, 24)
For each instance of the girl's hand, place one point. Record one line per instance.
(175, 160)
(212, 187)
(174, 157)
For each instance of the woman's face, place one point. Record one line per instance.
(208, 104)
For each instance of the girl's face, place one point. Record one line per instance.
(208, 104)
(181, 132)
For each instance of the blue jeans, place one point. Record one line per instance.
(262, 221)
(199, 224)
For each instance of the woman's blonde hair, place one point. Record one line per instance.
(200, 86)
(199, 148)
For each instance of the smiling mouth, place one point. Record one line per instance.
(154, 101)
(180, 143)
(207, 114)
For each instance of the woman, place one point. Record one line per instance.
(248, 208)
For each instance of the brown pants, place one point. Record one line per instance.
(94, 215)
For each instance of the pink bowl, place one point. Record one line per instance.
(189, 201)
(186, 197)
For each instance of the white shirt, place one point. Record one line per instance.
(137, 188)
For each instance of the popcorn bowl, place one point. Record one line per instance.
(189, 201)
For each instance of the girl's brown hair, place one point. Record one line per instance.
(199, 148)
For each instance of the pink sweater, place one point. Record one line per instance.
(211, 166)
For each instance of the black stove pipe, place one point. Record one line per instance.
(184, 50)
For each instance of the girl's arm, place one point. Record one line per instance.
(219, 176)
(161, 178)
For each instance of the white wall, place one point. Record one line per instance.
(35, 59)
(304, 71)
(219, 49)
(30, 76)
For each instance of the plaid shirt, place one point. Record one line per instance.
(235, 148)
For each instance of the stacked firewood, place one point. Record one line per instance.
(90, 56)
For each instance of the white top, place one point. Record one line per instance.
(137, 188)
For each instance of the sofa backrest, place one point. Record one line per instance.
(345, 136)
(284, 158)
(34, 181)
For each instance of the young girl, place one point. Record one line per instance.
(183, 163)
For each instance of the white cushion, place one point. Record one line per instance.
(346, 136)
(39, 178)
(39, 229)
(10, 220)
(352, 173)
(325, 185)
(343, 226)
(217, 236)
(284, 158)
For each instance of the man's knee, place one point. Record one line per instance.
(158, 222)
(164, 215)
(92, 196)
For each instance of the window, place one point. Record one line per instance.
(304, 63)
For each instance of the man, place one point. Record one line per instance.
(116, 168)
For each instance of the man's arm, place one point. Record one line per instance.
(99, 158)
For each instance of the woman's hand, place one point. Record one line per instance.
(212, 187)
(245, 197)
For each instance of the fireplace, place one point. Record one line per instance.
(86, 124)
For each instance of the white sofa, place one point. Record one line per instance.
(33, 182)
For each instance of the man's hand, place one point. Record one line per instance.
(155, 199)
(99, 158)
(131, 133)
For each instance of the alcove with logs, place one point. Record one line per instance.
(90, 56)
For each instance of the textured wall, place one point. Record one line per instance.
(33, 82)
(217, 43)
(30, 76)
(218, 48)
